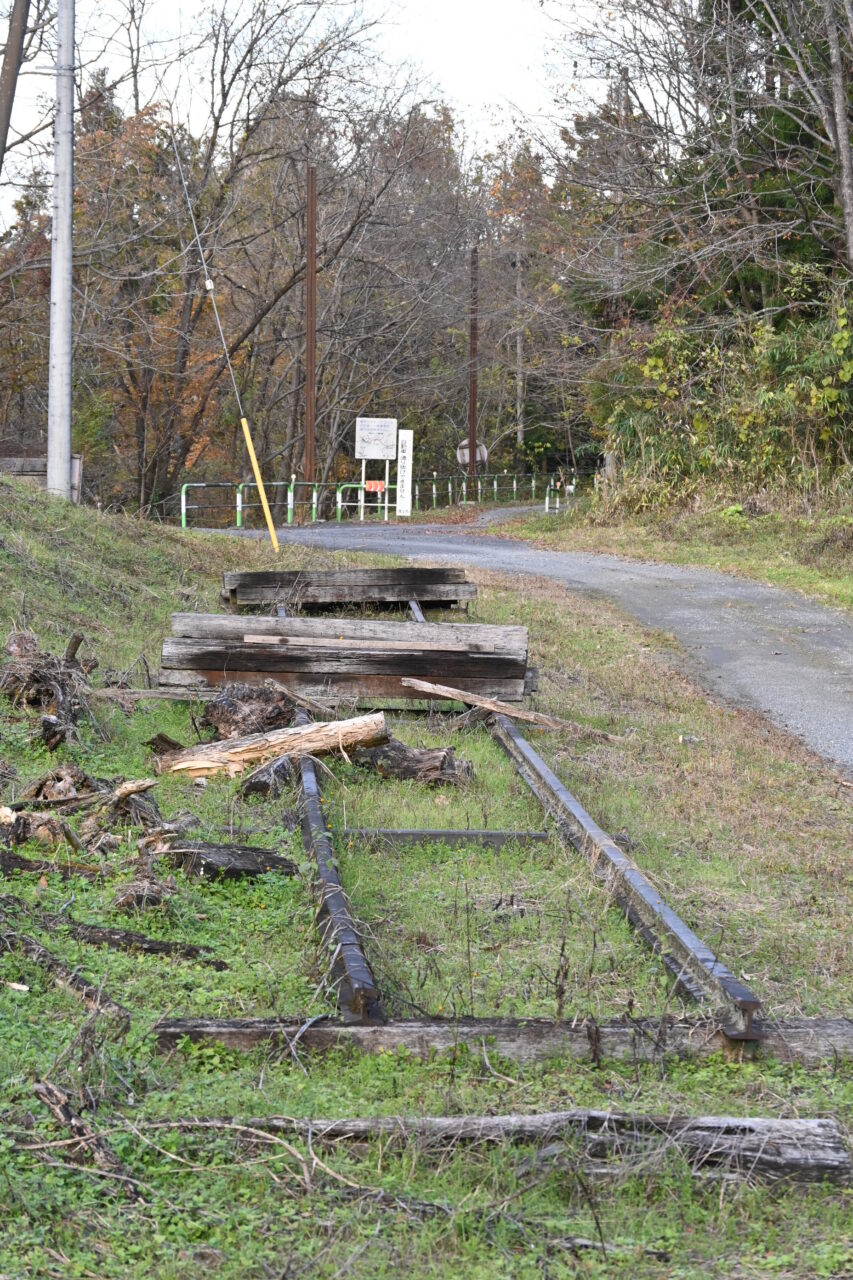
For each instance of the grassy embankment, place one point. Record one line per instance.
(812, 554)
(746, 834)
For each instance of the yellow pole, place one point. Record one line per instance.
(259, 482)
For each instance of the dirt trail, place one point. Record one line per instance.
(757, 646)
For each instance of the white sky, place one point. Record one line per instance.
(487, 56)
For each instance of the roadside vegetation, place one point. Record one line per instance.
(746, 834)
(775, 541)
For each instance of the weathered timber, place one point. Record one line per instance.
(89, 1145)
(416, 611)
(809, 1041)
(685, 954)
(108, 936)
(68, 979)
(437, 765)
(189, 684)
(337, 658)
(355, 987)
(11, 862)
(406, 838)
(235, 754)
(301, 588)
(233, 861)
(430, 690)
(510, 641)
(796, 1149)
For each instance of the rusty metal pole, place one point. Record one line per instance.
(473, 342)
(309, 465)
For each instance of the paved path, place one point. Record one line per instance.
(757, 646)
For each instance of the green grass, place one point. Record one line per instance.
(747, 835)
(813, 555)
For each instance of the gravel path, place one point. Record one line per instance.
(757, 646)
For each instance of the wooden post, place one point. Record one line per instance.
(472, 367)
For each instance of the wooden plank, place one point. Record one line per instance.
(226, 655)
(406, 838)
(808, 1041)
(686, 955)
(510, 640)
(416, 611)
(354, 593)
(343, 687)
(414, 575)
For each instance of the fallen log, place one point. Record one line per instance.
(89, 1143)
(435, 765)
(312, 739)
(810, 1041)
(445, 691)
(233, 861)
(799, 1150)
(10, 862)
(66, 978)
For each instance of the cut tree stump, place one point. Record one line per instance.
(238, 710)
(435, 765)
(270, 779)
(235, 754)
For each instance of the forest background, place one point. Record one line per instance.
(664, 264)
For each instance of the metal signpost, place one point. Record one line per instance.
(375, 441)
(405, 450)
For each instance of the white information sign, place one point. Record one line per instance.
(376, 438)
(405, 450)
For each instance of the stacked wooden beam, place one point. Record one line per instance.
(336, 657)
(305, 589)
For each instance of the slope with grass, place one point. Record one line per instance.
(747, 835)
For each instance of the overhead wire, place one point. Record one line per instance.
(209, 289)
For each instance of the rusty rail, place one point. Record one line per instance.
(691, 960)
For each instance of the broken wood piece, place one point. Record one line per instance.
(68, 979)
(270, 779)
(802, 1150)
(67, 787)
(129, 803)
(500, 708)
(89, 1142)
(233, 755)
(108, 936)
(198, 857)
(436, 765)
(161, 743)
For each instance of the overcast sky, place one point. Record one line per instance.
(487, 56)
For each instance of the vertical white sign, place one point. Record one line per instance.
(405, 450)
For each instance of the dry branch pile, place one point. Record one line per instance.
(56, 686)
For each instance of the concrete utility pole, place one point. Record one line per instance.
(519, 353)
(12, 59)
(473, 340)
(309, 464)
(59, 384)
